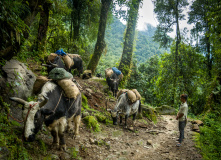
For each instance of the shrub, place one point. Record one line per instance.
(209, 139)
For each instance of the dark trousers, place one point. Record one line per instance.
(182, 125)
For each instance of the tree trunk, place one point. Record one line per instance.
(100, 45)
(10, 49)
(178, 39)
(126, 58)
(43, 27)
(77, 8)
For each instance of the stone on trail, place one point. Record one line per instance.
(195, 127)
(199, 122)
(149, 142)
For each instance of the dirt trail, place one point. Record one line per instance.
(148, 142)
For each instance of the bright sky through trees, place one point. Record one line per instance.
(146, 15)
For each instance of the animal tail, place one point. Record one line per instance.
(140, 109)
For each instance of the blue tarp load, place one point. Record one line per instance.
(116, 71)
(60, 52)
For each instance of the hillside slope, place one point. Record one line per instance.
(145, 140)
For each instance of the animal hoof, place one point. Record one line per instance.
(63, 147)
(76, 136)
(54, 146)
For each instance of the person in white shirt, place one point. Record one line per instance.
(182, 117)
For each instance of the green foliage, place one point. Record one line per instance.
(209, 139)
(190, 78)
(168, 12)
(43, 146)
(150, 114)
(9, 141)
(144, 79)
(92, 123)
(32, 98)
(74, 153)
(13, 26)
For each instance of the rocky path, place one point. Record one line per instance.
(149, 142)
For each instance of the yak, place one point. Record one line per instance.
(78, 63)
(58, 62)
(113, 82)
(53, 109)
(125, 108)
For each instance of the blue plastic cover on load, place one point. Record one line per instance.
(116, 71)
(60, 52)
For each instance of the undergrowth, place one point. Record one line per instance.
(11, 146)
(209, 139)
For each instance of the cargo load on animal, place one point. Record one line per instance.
(67, 61)
(113, 77)
(63, 78)
(127, 104)
(133, 95)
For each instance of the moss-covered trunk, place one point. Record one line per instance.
(126, 58)
(100, 45)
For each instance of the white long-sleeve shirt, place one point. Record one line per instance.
(184, 110)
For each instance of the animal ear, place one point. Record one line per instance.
(46, 112)
(43, 102)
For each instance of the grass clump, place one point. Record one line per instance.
(92, 123)
(102, 118)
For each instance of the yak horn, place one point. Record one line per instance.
(19, 100)
(46, 65)
(43, 102)
(54, 65)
